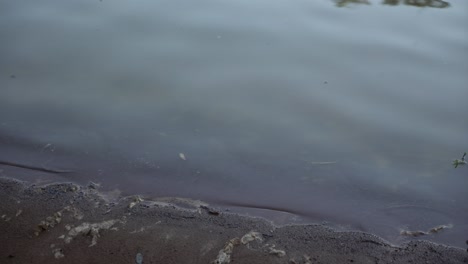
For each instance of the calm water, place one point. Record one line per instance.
(345, 113)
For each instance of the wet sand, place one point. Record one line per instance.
(68, 223)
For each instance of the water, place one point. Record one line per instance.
(350, 115)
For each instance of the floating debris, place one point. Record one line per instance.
(31, 167)
(136, 200)
(224, 255)
(418, 233)
(439, 228)
(459, 162)
(323, 162)
(93, 185)
(139, 258)
(89, 230)
(142, 229)
(58, 253)
(251, 236)
(49, 222)
(18, 212)
(343, 3)
(277, 252)
(412, 233)
(182, 156)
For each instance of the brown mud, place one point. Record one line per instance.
(68, 223)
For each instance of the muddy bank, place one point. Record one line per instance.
(67, 223)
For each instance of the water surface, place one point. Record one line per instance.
(348, 112)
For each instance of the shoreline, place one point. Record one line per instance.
(70, 223)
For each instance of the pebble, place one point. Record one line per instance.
(139, 258)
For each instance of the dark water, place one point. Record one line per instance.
(347, 112)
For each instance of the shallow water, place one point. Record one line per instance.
(345, 113)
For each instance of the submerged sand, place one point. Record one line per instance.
(68, 223)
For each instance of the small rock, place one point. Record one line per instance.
(139, 258)
(210, 211)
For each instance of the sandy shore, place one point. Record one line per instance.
(67, 223)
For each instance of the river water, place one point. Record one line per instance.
(347, 113)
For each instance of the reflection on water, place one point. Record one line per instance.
(351, 116)
(417, 3)
(342, 3)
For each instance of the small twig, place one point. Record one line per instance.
(29, 167)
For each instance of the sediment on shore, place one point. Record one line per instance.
(68, 223)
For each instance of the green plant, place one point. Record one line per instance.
(459, 162)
